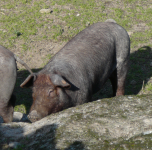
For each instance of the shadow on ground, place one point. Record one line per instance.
(43, 138)
(140, 70)
(23, 95)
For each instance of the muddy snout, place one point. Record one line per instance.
(34, 116)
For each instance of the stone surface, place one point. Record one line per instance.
(46, 11)
(14, 144)
(122, 122)
(17, 117)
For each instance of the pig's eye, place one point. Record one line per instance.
(51, 93)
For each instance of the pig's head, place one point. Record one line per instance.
(49, 94)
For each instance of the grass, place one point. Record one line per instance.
(20, 26)
(26, 20)
(21, 22)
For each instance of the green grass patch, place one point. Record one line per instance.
(21, 23)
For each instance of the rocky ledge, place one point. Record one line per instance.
(123, 122)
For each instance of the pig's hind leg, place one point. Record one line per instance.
(122, 70)
(118, 78)
(121, 78)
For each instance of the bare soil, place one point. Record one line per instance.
(38, 52)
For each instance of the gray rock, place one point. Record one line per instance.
(77, 15)
(111, 123)
(14, 144)
(46, 11)
(130, 97)
(18, 117)
(147, 132)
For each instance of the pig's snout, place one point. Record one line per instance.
(34, 116)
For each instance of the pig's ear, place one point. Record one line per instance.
(29, 81)
(57, 80)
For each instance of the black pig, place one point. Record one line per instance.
(96, 54)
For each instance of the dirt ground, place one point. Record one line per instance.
(39, 50)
